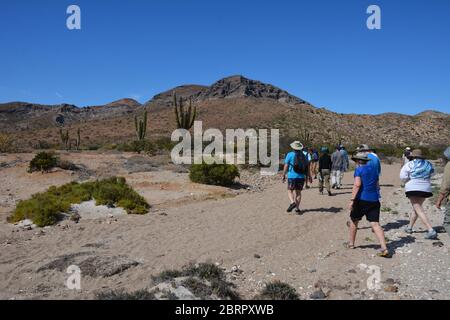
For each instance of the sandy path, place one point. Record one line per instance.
(300, 250)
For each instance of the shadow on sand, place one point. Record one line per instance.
(392, 245)
(330, 210)
(395, 225)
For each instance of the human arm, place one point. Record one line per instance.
(355, 191)
(285, 170)
(404, 173)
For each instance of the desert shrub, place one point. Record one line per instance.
(122, 295)
(164, 143)
(278, 290)
(115, 191)
(43, 145)
(43, 161)
(44, 208)
(6, 143)
(203, 280)
(214, 174)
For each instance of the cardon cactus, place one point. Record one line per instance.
(185, 119)
(141, 127)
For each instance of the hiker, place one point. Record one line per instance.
(296, 169)
(444, 192)
(406, 154)
(337, 166)
(314, 163)
(375, 161)
(365, 202)
(308, 179)
(324, 170)
(416, 175)
(346, 164)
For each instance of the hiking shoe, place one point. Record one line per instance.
(409, 230)
(291, 207)
(330, 194)
(384, 254)
(431, 235)
(298, 211)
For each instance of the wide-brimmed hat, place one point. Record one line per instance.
(360, 156)
(297, 145)
(417, 153)
(364, 147)
(447, 153)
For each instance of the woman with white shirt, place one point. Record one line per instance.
(416, 175)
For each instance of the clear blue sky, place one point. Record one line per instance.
(319, 50)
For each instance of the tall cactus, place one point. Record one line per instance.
(141, 127)
(305, 137)
(78, 140)
(64, 138)
(185, 119)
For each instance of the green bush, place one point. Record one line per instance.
(44, 208)
(214, 174)
(43, 161)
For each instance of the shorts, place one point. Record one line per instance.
(418, 194)
(296, 184)
(363, 208)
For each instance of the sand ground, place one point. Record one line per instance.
(244, 228)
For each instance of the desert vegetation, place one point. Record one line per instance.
(6, 143)
(185, 118)
(214, 174)
(278, 290)
(46, 208)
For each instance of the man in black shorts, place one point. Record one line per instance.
(296, 181)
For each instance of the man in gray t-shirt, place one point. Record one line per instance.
(338, 162)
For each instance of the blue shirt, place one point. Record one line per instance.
(375, 163)
(289, 160)
(369, 183)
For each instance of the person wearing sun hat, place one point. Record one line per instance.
(444, 192)
(296, 168)
(365, 202)
(416, 175)
(406, 155)
(375, 161)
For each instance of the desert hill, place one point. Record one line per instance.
(232, 102)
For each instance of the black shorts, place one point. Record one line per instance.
(363, 208)
(296, 184)
(418, 194)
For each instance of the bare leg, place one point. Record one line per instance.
(417, 205)
(298, 198)
(412, 218)
(353, 230)
(291, 195)
(380, 234)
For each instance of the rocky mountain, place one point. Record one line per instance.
(232, 102)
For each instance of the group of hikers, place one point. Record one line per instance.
(302, 165)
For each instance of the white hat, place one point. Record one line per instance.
(297, 145)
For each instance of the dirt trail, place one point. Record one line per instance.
(251, 230)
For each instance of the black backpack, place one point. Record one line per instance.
(300, 163)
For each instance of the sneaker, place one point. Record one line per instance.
(431, 235)
(291, 207)
(409, 230)
(330, 194)
(298, 211)
(384, 254)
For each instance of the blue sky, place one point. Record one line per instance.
(319, 50)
